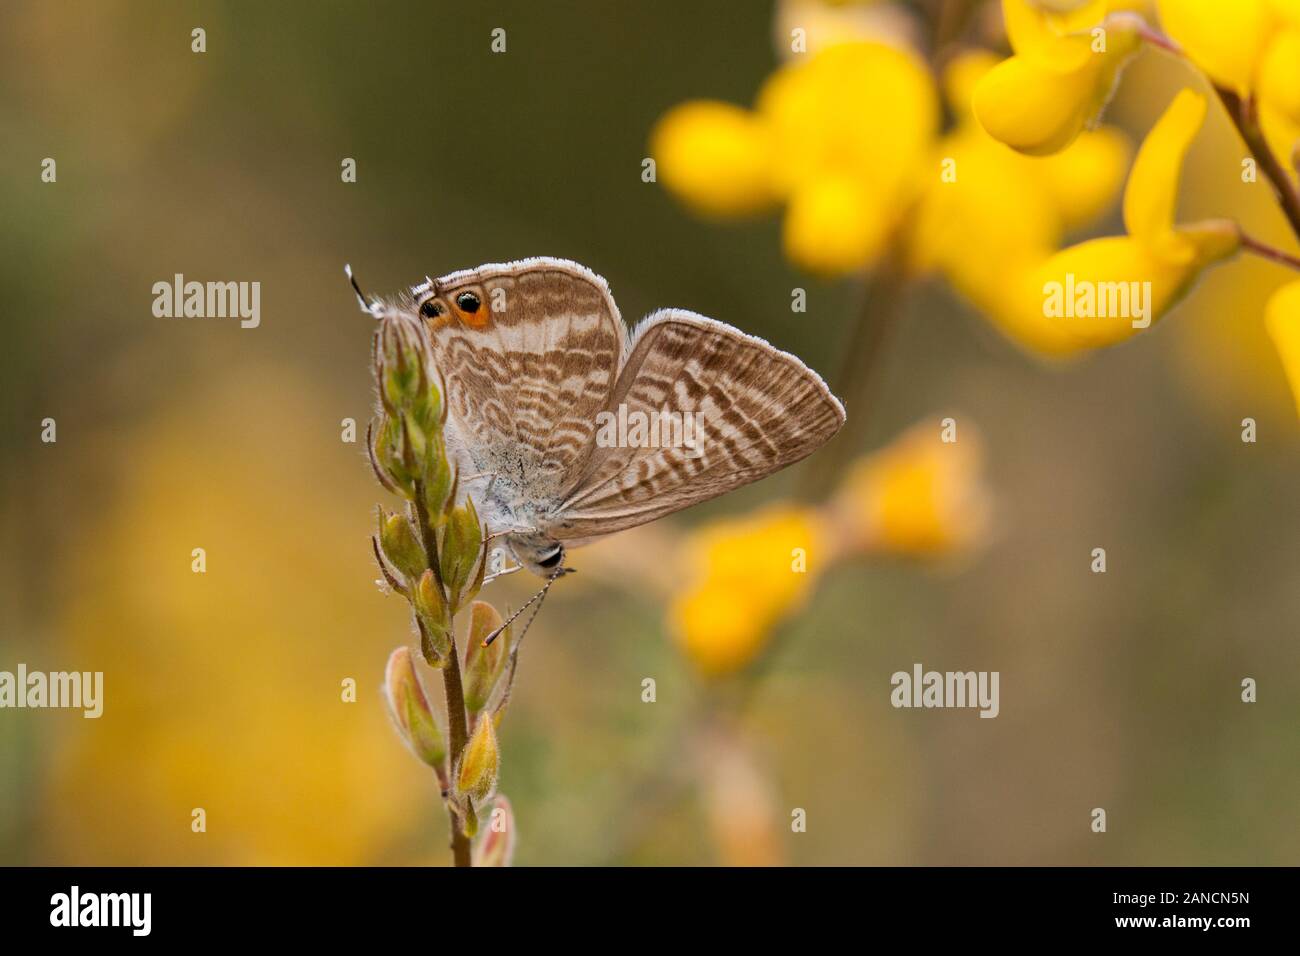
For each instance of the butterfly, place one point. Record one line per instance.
(534, 357)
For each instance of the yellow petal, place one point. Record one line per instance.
(1039, 110)
(857, 109)
(743, 576)
(715, 157)
(917, 497)
(1052, 36)
(1083, 180)
(1282, 318)
(1225, 39)
(835, 225)
(1151, 197)
(1279, 78)
(1107, 290)
(1288, 11)
(961, 75)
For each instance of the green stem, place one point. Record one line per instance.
(457, 724)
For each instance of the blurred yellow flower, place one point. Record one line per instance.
(1226, 40)
(228, 690)
(1155, 264)
(1282, 318)
(743, 575)
(715, 157)
(839, 136)
(917, 497)
(1039, 100)
(963, 227)
(1279, 82)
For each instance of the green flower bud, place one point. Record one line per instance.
(476, 775)
(462, 546)
(402, 549)
(409, 707)
(483, 665)
(388, 457)
(434, 614)
(402, 360)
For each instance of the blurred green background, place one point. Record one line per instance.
(223, 690)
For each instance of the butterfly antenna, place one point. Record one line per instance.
(368, 307)
(538, 598)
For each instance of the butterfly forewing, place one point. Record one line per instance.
(760, 410)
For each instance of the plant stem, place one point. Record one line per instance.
(1265, 251)
(874, 324)
(1245, 117)
(457, 725)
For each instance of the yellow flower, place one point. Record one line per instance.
(1279, 80)
(715, 156)
(1226, 40)
(1039, 100)
(229, 689)
(744, 575)
(1106, 290)
(838, 136)
(919, 496)
(963, 227)
(1282, 317)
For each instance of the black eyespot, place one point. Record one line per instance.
(431, 309)
(552, 560)
(468, 302)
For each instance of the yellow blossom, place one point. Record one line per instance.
(744, 575)
(919, 496)
(1226, 40)
(716, 157)
(1282, 317)
(1155, 264)
(963, 228)
(1039, 100)
(1279, 79)
(838, 136)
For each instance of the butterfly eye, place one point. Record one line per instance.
(552, 560)
(468, 302)
(431, 309)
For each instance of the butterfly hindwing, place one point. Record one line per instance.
(760, 410)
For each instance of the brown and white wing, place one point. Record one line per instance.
(761, 409)
(526, 371)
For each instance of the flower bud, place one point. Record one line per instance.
(400, 545)
(388, 457)
(431, 606)
(462, 544)
(483, 665)
(497, 847)
(401, 362)
(439, 482)
(409, 708)
(476, 776)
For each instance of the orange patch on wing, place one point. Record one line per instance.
(477, 319)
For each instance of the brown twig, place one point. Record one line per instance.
(1265, 251)
(1245, 117)
(457, 724)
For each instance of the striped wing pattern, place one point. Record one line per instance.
(525, 379)
(761, 410)
(529, 370)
